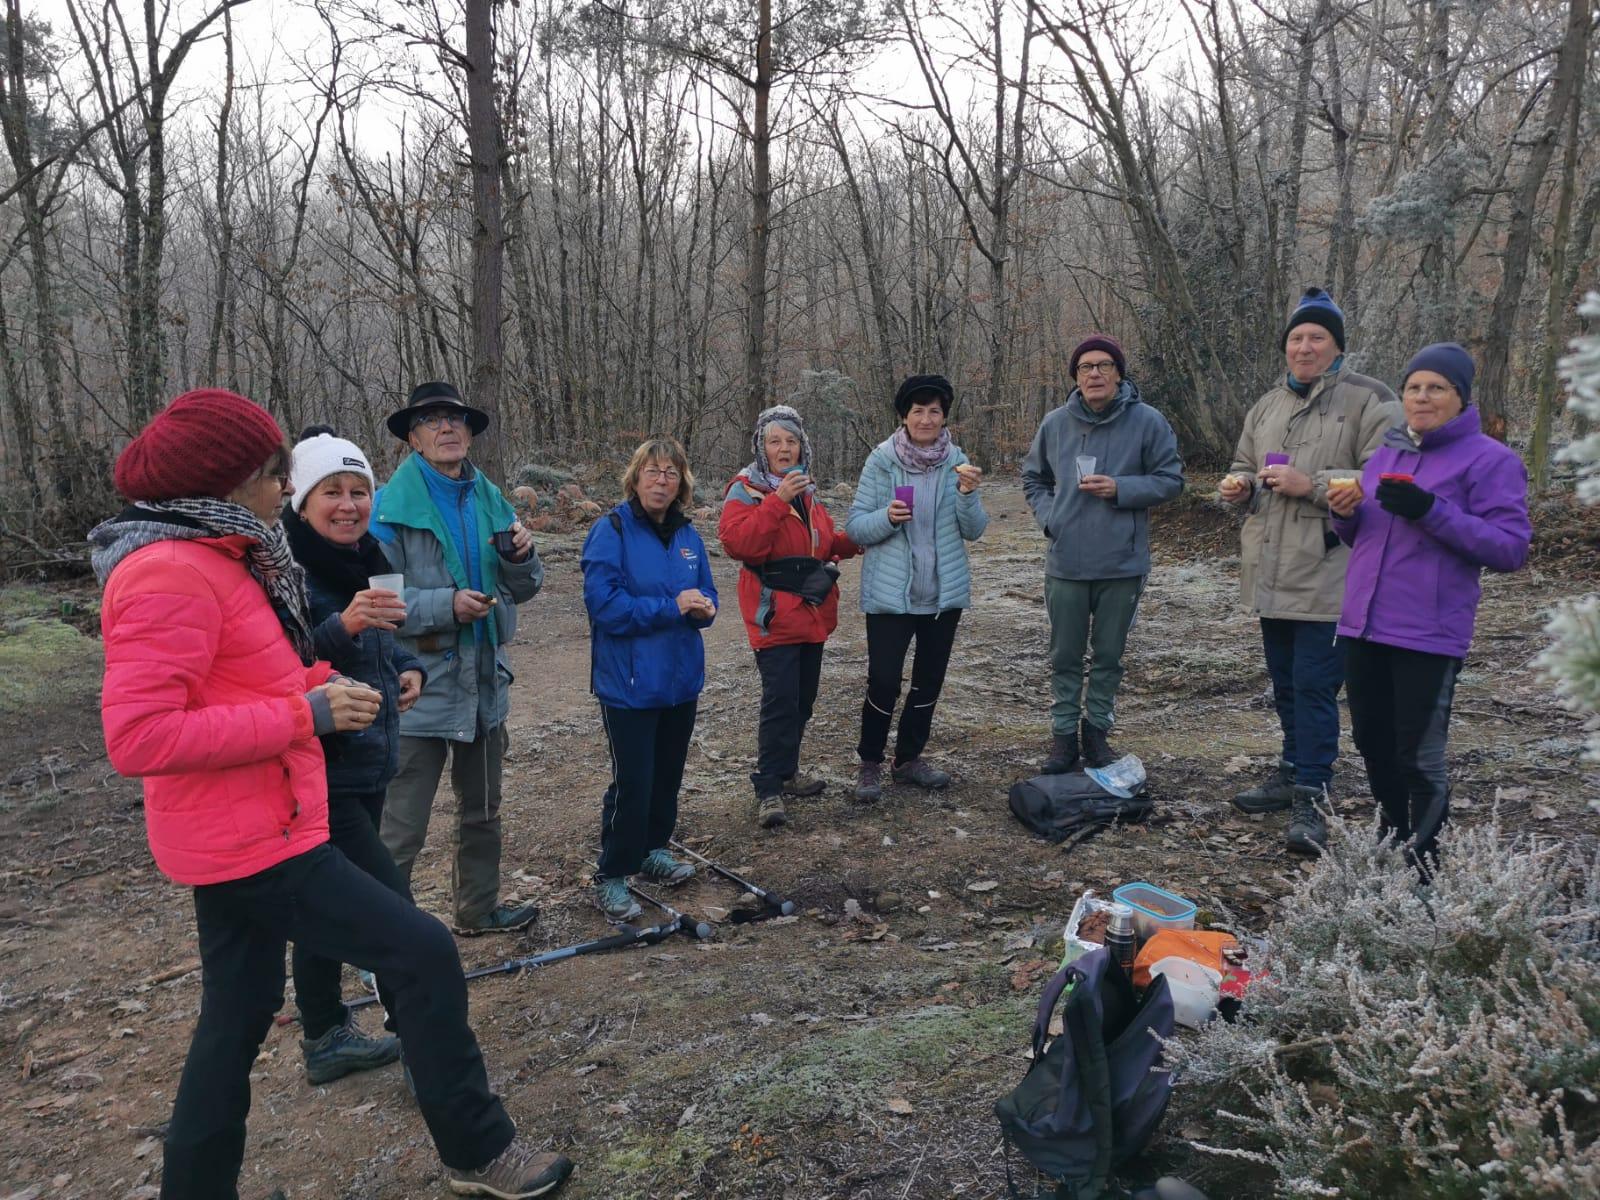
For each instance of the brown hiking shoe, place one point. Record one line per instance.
(802, 785)
(770, 812)
(518, 1173)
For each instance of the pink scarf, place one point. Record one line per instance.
(921, 458)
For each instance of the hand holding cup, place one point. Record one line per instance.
(373, 608)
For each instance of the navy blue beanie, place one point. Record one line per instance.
(1316, 307)
(1449, 359)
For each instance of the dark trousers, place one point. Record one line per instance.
(640, 810)
(789, 679)
(889, 636)
(321, 900)
(1306, 663)
(1400, 714)
(353, 831)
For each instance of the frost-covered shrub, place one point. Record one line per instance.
(1573, 659)
(1417, 1044)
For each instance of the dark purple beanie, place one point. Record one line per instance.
(1449, 359)
(1099, 341)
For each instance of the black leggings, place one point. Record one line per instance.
(353, 830)
(889, 636)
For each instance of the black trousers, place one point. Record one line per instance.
(335, 909)
(353, 821)
(789, 679)
(1400, 717)
(640, 809)
(889, 636)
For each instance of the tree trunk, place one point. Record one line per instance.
(760, 220)
(488, 234)
(219, 310)
(1502, 324)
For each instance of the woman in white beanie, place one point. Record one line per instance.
(353, 627)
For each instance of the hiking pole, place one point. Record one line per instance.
(778, 904)
(629, 936)
(678, 923)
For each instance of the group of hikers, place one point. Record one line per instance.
(293, 654)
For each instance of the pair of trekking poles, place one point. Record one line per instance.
(632, 935)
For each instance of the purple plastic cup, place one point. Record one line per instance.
(1275, 460)
(906, 495)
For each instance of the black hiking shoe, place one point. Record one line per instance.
(1308, 828)
(1063, 754)
(869, 782)
(1097, 751)
(1275, 795)
(503, 918)
(344, 1050)
(920, 772)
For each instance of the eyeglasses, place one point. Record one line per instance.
(278, 471)
(1433, 391)
(669, 474)
(434, 420)
(1096, 368)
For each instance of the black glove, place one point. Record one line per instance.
(1404, 499)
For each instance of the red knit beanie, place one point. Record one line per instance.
(205, 443)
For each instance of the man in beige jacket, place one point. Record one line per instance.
(1321, 423)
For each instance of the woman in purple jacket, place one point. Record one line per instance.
(1439, 501)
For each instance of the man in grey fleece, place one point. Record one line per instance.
(1097, 465)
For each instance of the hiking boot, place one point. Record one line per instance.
(770, 812)
(869, 782)
(920, 772)
(613, 898)
(1275, 795)
(518, 1173)
(1308, 829)
(663, 868)
(1097, 751)
(345, 1049)
(1063, 754)
(503, 918)
(802, 785)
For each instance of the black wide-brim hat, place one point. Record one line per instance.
(435, 395)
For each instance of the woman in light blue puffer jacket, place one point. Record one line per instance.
(915, 509)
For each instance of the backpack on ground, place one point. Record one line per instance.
(1073, 805)
(1092, 1100)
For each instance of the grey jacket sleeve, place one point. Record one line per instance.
(521, 581)
(428, 610)
(1163, 477)
(1038, 476)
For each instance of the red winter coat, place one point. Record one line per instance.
(204, 698)
(757, 527)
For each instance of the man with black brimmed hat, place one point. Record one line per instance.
(1319, 423)
(438, 519)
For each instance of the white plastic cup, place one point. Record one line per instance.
(388, 583)
(1086, 465)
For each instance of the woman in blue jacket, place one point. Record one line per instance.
(914, 579)
(648, 589)
(327, 521)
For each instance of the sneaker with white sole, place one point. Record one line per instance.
(519, 1173)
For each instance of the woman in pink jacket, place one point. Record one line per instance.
(213, 695)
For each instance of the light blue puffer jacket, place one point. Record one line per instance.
(886, 569)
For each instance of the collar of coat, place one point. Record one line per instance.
(1127, 396)
(1465, 425)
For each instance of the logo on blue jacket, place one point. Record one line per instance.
(688, 554)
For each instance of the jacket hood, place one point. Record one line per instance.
(132, 529)
(1457, 429)
(1127, 396)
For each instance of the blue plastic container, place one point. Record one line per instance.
(1154, 908)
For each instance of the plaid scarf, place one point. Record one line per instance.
(268, 558)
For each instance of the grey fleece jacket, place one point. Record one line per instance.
(1092, 538)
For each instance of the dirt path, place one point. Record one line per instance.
(853, 1051)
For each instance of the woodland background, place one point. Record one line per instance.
(617, 216)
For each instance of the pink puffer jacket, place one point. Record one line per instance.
(205, 698)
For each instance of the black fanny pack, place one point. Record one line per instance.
(809, 578)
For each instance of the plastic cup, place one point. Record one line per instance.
(505, 542)
(1086, 465)
(906, 496)
(388, 583)
(1275, 460)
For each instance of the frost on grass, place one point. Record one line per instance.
(1573, 658)
(1408, 1043)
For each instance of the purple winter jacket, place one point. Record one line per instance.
(1414, 584)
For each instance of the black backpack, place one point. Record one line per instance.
(1094, 1098)
(1058, 807)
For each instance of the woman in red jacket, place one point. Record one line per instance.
(773, 523)
(214, 696)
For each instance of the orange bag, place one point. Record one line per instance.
(1198, 945)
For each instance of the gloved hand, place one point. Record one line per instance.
(1404, 499)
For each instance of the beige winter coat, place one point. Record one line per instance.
(1291, 564)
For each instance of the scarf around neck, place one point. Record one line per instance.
(921, 458)
(341, 570)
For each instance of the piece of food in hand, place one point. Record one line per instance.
(1341, 482)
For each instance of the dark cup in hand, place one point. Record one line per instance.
(505, 542)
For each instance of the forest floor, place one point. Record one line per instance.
(854, 1050)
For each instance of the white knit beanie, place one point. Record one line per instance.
(318, 457)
